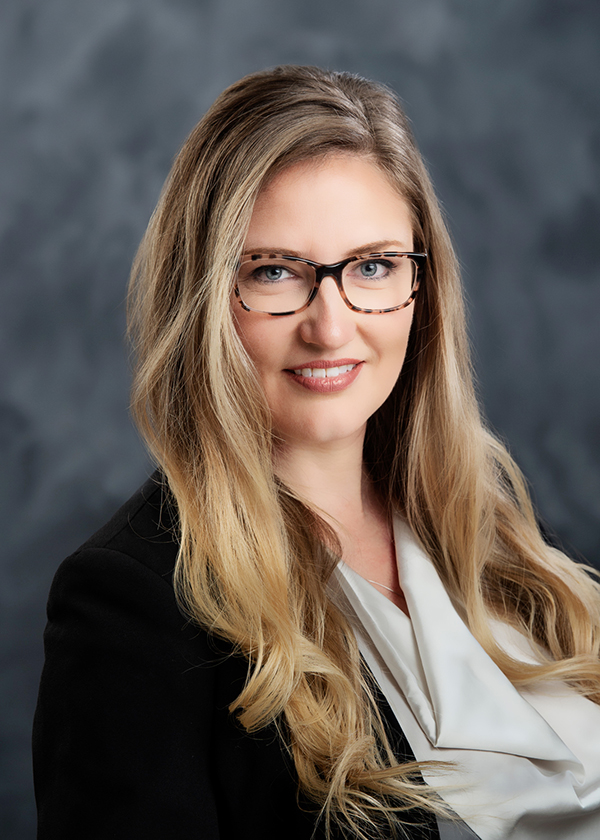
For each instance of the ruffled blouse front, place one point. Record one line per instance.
(527, 763)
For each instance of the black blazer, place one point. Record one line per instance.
(132, 734)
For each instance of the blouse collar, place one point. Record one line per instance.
(459, 696)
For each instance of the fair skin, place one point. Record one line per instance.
(325, 211)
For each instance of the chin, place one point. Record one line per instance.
(327, 434)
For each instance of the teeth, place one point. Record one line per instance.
(322, 373)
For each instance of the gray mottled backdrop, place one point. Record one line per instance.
(96, 98)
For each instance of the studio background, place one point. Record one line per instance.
(96, 99)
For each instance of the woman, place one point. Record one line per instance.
(332, 515)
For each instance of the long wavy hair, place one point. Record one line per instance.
(254, 561)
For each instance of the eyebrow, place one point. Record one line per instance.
(368, 248)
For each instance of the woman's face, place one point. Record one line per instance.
(325, 211)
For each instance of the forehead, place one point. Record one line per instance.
(346, 165)
(334, 204)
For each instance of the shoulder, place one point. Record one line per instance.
(139, 542)
(115, 593)
(144, 528)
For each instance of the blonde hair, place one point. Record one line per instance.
(254, 561)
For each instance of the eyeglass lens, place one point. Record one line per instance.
(274, 284)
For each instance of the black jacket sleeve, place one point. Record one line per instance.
(123, 726)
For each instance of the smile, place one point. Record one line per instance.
(326, 377)
(324, 373)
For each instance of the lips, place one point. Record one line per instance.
(324, 376)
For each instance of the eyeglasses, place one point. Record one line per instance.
(278, 284)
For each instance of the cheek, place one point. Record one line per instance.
(260, 340)
(395, 340)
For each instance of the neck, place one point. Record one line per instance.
(330, 478)
(333, 481)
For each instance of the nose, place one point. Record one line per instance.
(328, 322)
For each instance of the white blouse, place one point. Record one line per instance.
(527, 761)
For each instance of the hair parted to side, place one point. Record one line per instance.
(254, 561)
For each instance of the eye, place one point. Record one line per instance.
(373, 269)
(271, 274)
(369, 269)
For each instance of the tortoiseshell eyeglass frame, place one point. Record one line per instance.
(335, 270)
